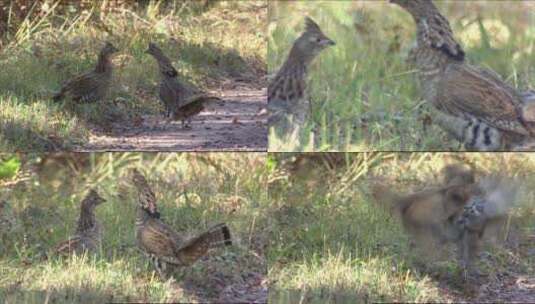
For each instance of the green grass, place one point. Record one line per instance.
(43, 50)
(332, 244)
(193, 192)
(365, 97)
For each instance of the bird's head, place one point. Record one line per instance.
(458, 174)
(147, 199)
(153, 49)
(92, 199)
(137, 178)
(166, 68)
(313, 40)
(109, 49)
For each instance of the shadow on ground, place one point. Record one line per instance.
(239, 124)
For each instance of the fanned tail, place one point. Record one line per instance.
(216, 236)
(195, 248)
(473, 133)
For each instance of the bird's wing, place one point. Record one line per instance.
(482, 95)
(68, 246)
(168, 92)
(158, 238)
(84, 86)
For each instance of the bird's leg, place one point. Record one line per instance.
(167, 121)
(168, 116)
(186, 123)
(160, 266)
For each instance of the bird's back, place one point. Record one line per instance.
(82, 241)
(468, 90)
(154, 236)
(88, 87)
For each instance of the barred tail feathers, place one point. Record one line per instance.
(473, 133)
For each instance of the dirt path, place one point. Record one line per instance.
(508, 288)
(505, 288)
(238, 125)
(511, 285)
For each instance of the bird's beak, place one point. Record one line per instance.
(328, 42)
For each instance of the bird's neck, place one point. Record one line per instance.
(143, 215)
(87, 220)
(166, 67)
(429, 61)
(103, 64)
(436, 47)
(290, 81)
(298, 60)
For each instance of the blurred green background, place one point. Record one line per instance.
(365, 96)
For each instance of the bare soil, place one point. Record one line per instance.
(512, 284)
(240, 124)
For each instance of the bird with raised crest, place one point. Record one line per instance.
(181, 102)
(88, 234)
(475, 105)
(288, 103)
(161, 243)
(91, 86)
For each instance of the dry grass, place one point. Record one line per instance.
(48, 48)
(194, 191)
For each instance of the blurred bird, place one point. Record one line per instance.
(180, 101)
(288, 104)
(478, 107)
(457, 174)
(485, 210)
(462, 210)
(91, 86)
(161, 243)
(88, 235)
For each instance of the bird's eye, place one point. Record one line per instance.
(318, 39)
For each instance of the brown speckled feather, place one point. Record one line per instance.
(91, 86)
(466, 90)
(88, 234)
